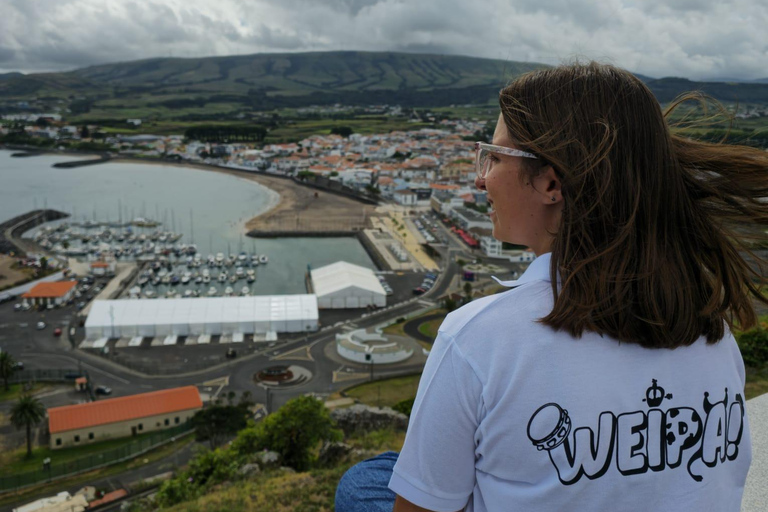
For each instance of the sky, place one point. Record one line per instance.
(697, 39)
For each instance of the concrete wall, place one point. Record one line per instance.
(119, 429)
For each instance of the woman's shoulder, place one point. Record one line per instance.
(509, 307)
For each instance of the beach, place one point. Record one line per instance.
(299, 208)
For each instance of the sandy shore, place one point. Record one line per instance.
(298, 209)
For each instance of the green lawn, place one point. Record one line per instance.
(430, 328)
(385, 393)
(161, 452)
(16, 461)
(15, 390)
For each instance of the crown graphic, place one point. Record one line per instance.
(654, 395)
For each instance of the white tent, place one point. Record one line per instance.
(218, 315)
(197, 314)
(342, 285)
(181, 318)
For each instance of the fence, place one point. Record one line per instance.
(127, 451)
(54, 375)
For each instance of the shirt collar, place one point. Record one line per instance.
(538, 270)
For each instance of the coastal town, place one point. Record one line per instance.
(427, 167)
(405, 200)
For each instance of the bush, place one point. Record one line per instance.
(294, 431)
(404, 406)
(754, 347)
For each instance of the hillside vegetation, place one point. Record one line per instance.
(222, 87)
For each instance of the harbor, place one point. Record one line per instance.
(211, 210)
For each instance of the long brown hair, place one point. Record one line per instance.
(655, 226)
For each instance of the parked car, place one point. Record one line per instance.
(419, 290)
(80, 305)
(57, 331)
(103, 390)
(40, 326)
(17, 307)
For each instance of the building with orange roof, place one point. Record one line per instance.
(103, 268)
(56, 292)
(75, 425)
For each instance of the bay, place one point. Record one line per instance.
(220, 204)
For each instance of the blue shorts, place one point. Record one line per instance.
(364, 487)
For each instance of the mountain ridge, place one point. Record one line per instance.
(264, 81)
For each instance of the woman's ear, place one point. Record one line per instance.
(548, 185)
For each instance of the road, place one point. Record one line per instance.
(315, 352)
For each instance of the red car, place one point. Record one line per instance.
(57, 332)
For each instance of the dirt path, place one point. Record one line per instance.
(9, 276)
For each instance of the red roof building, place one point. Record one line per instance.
(56, 292)
(122, 417)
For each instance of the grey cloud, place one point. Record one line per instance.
(694, 38)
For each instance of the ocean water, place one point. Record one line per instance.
(209, 208)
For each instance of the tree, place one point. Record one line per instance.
(468, 291)
(27, 412)
(7, 367)
(293, 432)
(218, 423)
(85, 132)
(43, 263)
(344, 131)
(449, 304)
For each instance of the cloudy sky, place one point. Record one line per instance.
(698, 39)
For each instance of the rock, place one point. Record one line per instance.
(365, 418)
(286, 469)
(267, 459)
(332, 453)
(249, 469)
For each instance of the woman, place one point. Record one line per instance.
(608, 377)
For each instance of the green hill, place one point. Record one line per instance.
(215, 88)
(265, 81)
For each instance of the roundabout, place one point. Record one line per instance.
(283, 376)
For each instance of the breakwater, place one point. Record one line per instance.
(255, 233)
(81, 163)
(12, 230)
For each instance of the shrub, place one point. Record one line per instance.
(294, 431)
(404, 406)
(754, 347)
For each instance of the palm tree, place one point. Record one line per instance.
(27, 411)
(7, 367)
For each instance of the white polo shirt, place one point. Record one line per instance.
(512, 415)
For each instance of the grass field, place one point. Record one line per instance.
(385, 393)
(162, 452)
(16, 461)
(16, 390)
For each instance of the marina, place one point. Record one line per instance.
(208, 209)
(194, 276)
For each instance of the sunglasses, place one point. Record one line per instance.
(483, 153)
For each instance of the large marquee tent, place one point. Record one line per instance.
(343, 285)
(194, 317)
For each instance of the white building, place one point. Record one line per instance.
(469, 219)
(204, 316)
(405, 197)
(491, 247)
(371, 347)
(342, 285)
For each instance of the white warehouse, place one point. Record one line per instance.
(194, 317)
(342, 285)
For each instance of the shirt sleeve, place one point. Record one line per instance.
(436, 467)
